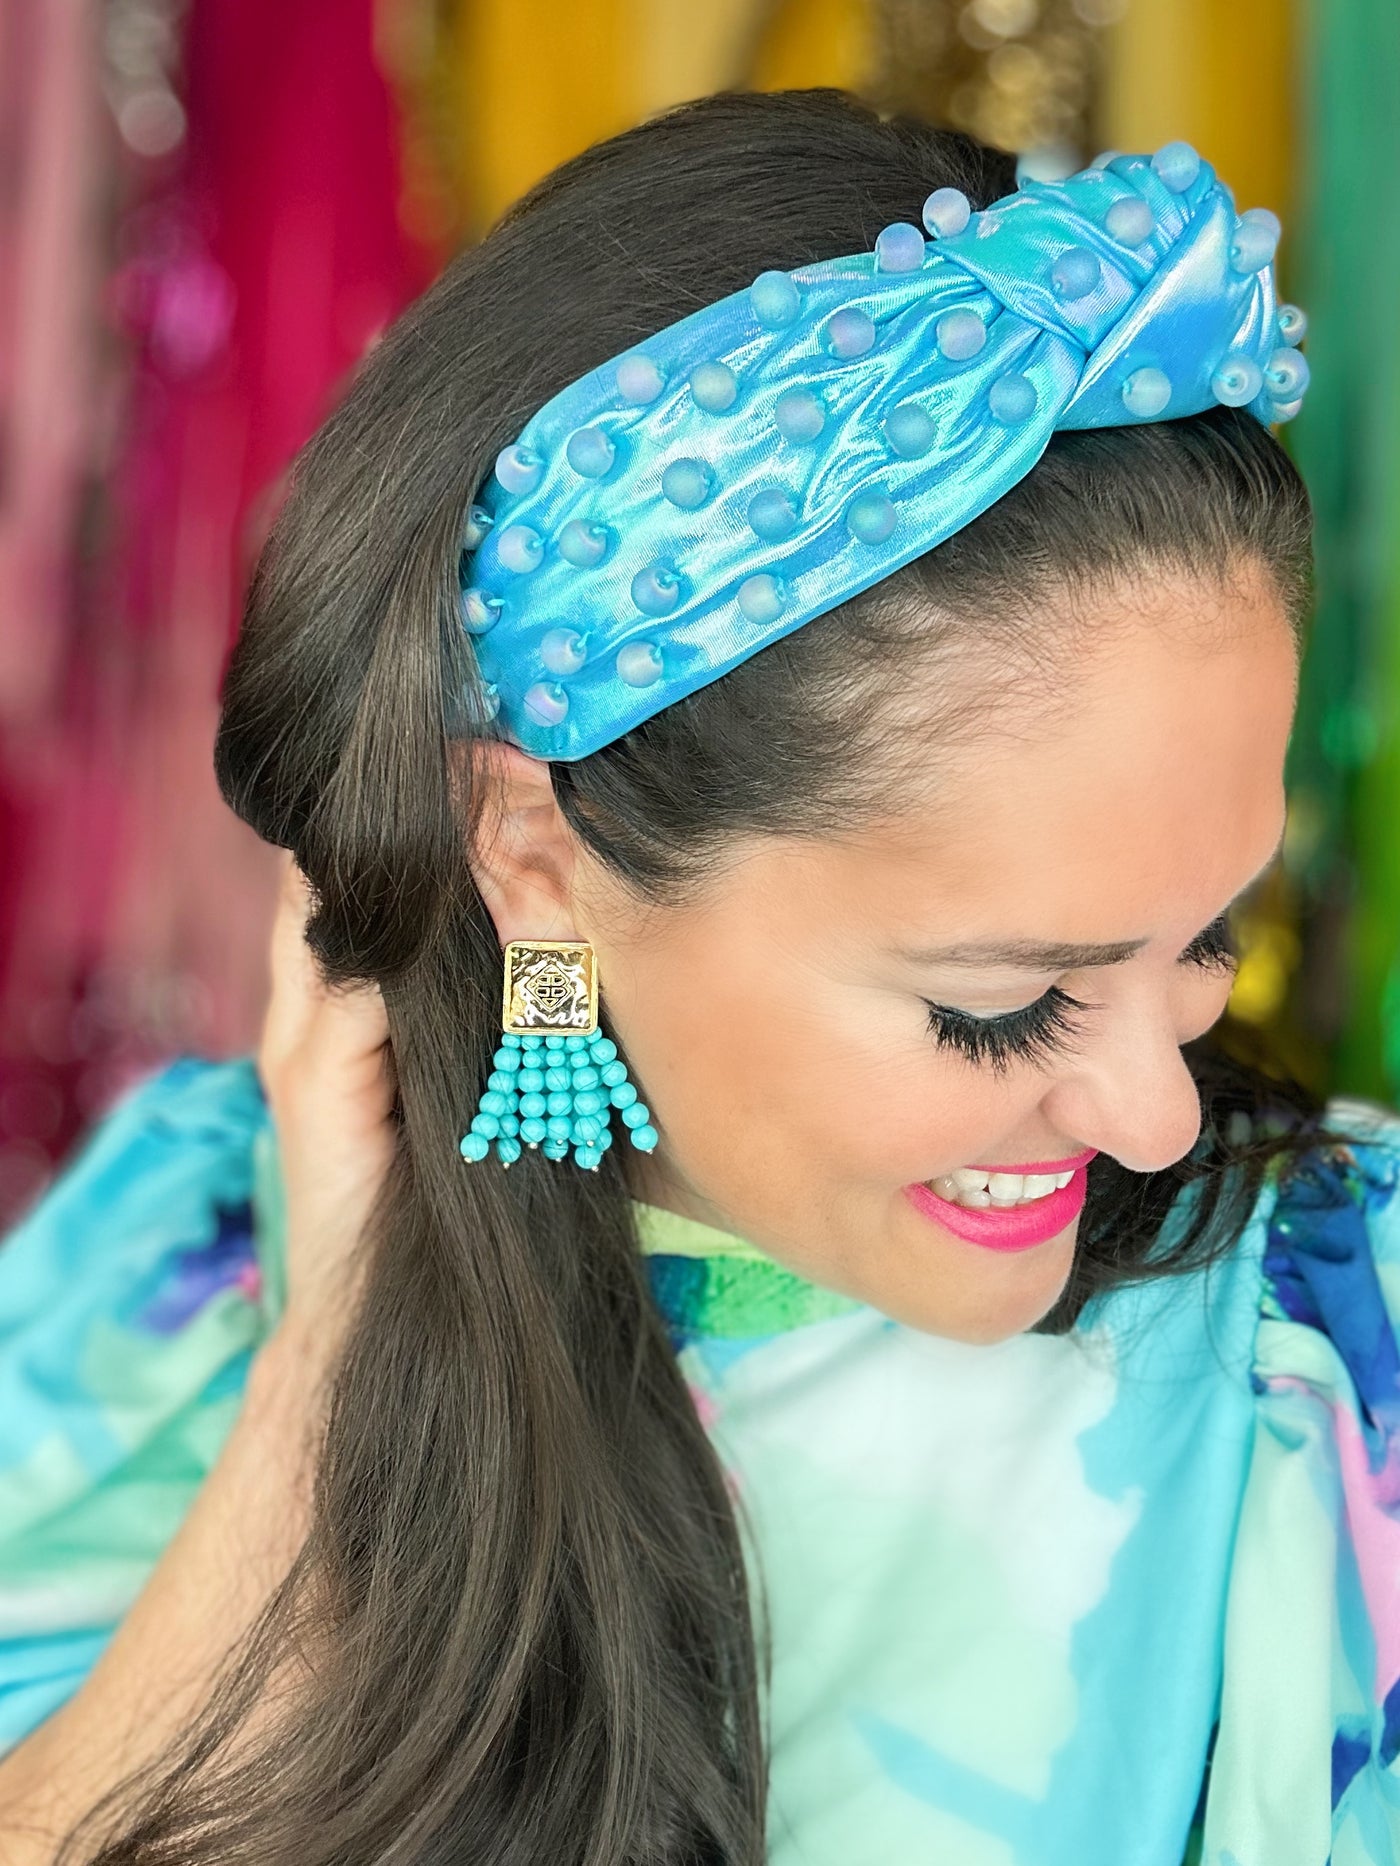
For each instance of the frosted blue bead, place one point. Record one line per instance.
(519, 468)
(560, 1102)
(556, 1078)
(492, 1103)
(478, 523)
(519, 548)
(960, 333)
(1129, 221)
(583, 545)
(899, 248)
(645, 1137)
(772, 515)
(688, 483)
(1147, 392)
(532, 1103)
(656, 590)
(489, 699)
(1255, 239)
(639, 380)
(1237, 381)
(946, 212)
(798, 416)
(635, 1114)
(761, 598)
(1012, 398)
(871, 517)
(530, 1081)
(713, 387)
(623, 1095)
(507, 1150)
(563, 650)
(639, 663)
(602, 1049)
(612, 1073)
(1285, 411)
(848, 332)
(479, 611)
(1287, 374)
(591, 452)
(557, 1147)
(1075, 273)
(486, 1124)
(775, 300)
(507, 1059)
(558, 1127)
(546, 702)
(1292, 323)
(474, 1146)
(909, 430)
(532, 1132)
(587, 1077)
(1176, 165)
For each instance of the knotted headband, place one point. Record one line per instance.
(675, 510)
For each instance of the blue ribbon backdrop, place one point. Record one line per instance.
(750, 467)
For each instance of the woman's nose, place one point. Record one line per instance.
(1130, 1093)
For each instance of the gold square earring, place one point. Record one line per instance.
(556, 1078)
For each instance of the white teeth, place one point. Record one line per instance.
(967, 1185)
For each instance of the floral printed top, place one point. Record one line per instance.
(1124, 1597)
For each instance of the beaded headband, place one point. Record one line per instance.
(678, 508)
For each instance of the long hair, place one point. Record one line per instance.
(537, 1639)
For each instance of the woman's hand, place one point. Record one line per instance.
(327, 1069)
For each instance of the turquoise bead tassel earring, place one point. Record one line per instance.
(556, 1078)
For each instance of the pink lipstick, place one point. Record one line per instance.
(1015, 1227)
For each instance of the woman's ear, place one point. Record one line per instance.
(524, 854)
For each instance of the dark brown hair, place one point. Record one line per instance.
(537, 1641)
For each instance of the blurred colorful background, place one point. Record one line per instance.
(209, 209)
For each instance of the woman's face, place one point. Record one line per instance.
(780, 1029)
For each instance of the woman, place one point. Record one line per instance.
(906, 1392)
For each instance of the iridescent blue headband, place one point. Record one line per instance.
(752, 466)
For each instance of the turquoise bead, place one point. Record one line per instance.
(555, 1079)
(531, 1042)
(507, 1060)
(556, 1149)
(486, 1124)
(510, 1040)
(507, 1150)
(499, 1083)
(559, 1102)
(530, 1081)
(558, 1127)
(623, 1095)
(532, 1132)
(605, 1139)
(510, 1124)
(587, 1077)
(586, 1129)
(645, 1137)
(555, 1043)
(475, 1147)
(589, 1157)
(492, 1103)
(613, 1073)
(636, 1114)
(532, 1106)
(589, 1101)
(602, 1049)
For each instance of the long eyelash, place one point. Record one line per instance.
(1052, 1025)
(1039, 1031)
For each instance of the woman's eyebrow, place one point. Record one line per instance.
(1032, 955)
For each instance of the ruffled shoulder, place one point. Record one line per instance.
(132, 1296)
(1304, 1767)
